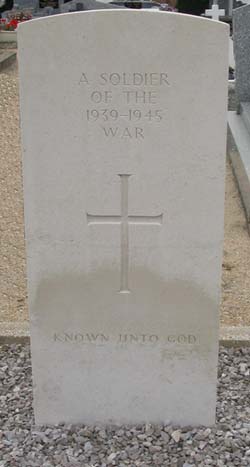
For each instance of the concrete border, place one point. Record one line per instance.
(238, 149)
(18, 332)
(7, 57)
(235, 336)
(14, 332)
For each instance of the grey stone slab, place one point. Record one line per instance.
(26, 4)
(245, 112)
(241, 31)
(62, 7)
(85, 5)
(239, 153)
(6, 58)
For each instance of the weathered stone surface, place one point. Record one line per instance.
(241, 27)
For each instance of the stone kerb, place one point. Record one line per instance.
(8, 37)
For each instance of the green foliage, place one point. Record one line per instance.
(193, 7)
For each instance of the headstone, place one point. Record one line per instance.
(124, 194)
(241, 27)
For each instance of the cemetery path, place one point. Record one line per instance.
(235, 306)
(12, 265)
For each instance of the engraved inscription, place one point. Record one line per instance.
(88, 338)
(125, 339)
(119, 103)
(132, 115)
(138, 338)
(124, 133)
(129, 79)
(124, 220)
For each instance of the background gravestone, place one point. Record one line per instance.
(123, 159)
(241, 28)
(224, 4)
(239, 122)
(80, 5)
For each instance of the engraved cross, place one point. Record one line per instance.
(124, 220)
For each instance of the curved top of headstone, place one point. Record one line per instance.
(172, 17)
(241, 28)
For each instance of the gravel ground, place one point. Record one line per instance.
(24, 445)
(235, 304)
(13, 295)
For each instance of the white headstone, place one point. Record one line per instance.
(124, 192)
